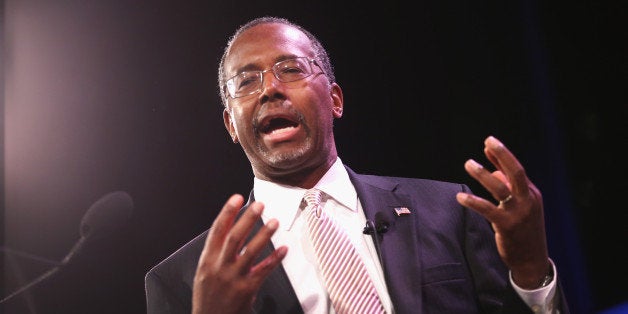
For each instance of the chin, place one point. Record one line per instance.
(288, 158)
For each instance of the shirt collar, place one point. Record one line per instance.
(282, 201)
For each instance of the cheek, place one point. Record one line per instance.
(323, 109)
(241, 121)
(317, 100)
(237, 115)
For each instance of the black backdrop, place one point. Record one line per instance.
(120, 95)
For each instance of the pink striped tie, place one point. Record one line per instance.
(348, 283)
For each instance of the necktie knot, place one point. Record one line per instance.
(313, 197)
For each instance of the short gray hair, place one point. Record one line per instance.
(320, 54)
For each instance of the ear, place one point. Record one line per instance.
(229, 125)
(336, 96)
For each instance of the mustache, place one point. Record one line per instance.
(280, 110)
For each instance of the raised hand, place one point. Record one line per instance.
(517, 216)
(226, 278)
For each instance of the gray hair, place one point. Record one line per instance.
(320, 54)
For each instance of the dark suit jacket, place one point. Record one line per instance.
(440, 258)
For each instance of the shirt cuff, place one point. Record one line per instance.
(540, 300)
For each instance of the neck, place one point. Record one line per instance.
(303, 177)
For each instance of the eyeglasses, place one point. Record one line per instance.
(250, 82)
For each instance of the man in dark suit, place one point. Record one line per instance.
(428, 246)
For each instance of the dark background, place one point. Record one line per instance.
(100, 96)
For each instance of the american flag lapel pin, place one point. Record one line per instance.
(402, 211)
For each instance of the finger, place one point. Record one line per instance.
(260, 271)
(240, 231)
(501, 177)
(508, 164)
(224, 221)
(492, 158)
(493, 184)
(480, 205)
(258, 243)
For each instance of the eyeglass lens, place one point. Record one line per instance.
(250, 82)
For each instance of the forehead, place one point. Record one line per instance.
(263, 45)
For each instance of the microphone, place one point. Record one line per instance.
(376, 230)
(107, 214)
(380, 226)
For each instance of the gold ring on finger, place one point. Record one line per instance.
(505, 200)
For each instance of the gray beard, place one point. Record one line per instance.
(281, 160)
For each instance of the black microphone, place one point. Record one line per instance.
(107, 214)
(376, 230)
(380, 226)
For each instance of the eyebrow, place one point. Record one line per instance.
(254, 67)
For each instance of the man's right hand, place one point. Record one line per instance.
(226, 278)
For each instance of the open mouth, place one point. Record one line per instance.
(277, 123)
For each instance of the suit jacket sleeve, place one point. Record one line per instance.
(169, 284)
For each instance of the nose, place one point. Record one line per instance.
(269, 79)
(271, 86)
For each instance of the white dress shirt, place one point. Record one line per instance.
(341, 202)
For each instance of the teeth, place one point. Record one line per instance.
(281, 130)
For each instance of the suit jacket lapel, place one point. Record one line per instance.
(399, 245)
